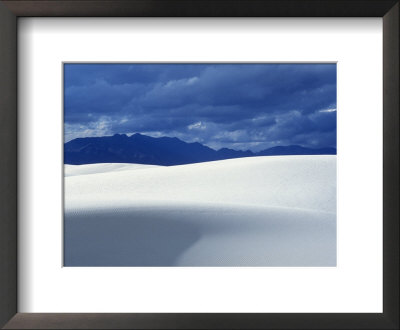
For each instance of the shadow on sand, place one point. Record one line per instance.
(124, 239)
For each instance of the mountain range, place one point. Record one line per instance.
(167, 151)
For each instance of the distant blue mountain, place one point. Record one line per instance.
(142, 149)
(295, 150)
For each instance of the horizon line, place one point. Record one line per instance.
(128, 135)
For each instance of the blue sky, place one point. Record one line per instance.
(238, 106)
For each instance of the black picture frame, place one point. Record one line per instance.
(10, 10)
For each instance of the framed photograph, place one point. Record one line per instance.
(199, 164)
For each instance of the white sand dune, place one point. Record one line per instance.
(260, 211)
(72, 170)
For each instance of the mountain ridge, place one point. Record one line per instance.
(168, 151)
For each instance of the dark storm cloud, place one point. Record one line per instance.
(246, 106)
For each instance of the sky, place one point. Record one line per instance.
(238, 106)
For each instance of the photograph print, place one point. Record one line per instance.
(200, 164)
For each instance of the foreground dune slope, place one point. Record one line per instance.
(259, 211)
